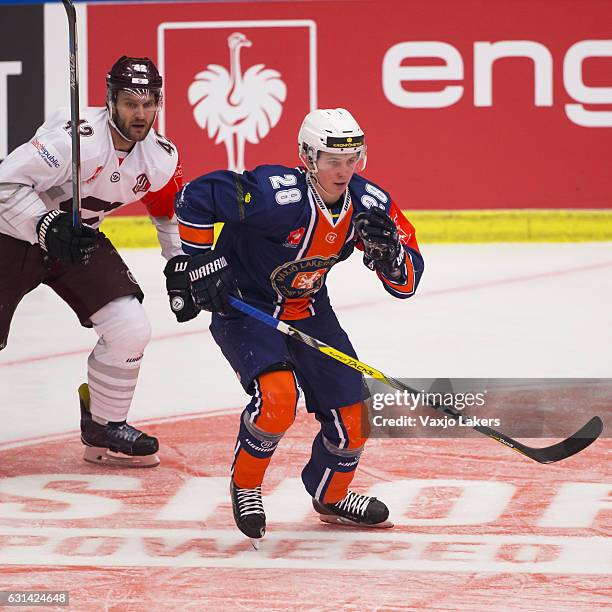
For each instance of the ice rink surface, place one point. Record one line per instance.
(477, 526)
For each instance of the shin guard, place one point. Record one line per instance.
(262, 424)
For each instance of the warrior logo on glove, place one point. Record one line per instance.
(63, 241)
(212, 280)
(207, 269)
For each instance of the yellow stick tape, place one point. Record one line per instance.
(364, 368)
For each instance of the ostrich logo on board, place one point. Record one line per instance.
(236, 108)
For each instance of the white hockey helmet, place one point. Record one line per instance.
(333, 130)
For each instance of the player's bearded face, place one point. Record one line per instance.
(134, 114)
(334, 174)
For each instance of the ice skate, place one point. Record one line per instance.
(249, 512)
(115, 444)
(355, 510)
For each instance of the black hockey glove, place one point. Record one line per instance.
(382, 250)
(179, 289)
(212, 280)
(62, 240)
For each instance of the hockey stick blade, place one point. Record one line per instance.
(576, 443)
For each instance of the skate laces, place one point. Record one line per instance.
(354, 503)
(249, 501)
(123, 431)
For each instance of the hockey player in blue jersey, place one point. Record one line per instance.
(285, 228)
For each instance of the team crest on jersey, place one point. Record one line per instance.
(301, 278)
(307, 280)
(142, 183)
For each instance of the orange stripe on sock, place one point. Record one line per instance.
(338, 487)
(354, 420)
(249, 471)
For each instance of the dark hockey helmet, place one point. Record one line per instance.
(138, 75)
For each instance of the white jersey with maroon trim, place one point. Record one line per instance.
(37, 177)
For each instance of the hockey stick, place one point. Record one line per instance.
(584, 437)
(74, 113)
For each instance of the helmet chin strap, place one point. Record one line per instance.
(311, 168)
(112, 122)
(319, 187)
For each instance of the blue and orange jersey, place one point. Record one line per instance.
(281, 240)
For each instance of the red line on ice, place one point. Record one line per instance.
(355, 306)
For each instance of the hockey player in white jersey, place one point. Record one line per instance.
(122, 160)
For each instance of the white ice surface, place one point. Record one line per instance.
(495, 310)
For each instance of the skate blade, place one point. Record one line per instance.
(255, 542)
(106, 457)
(339, 520)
